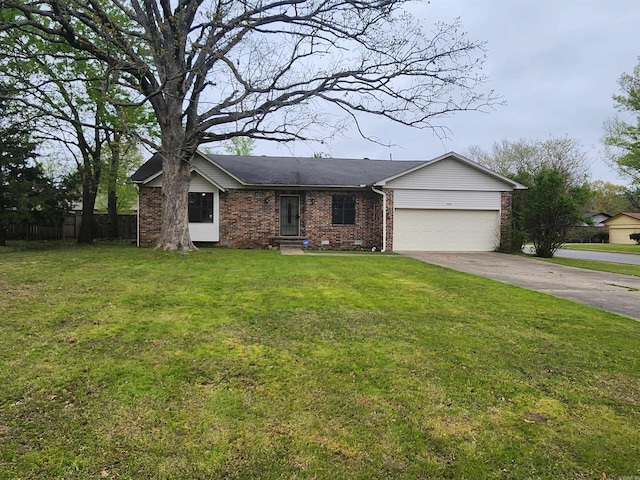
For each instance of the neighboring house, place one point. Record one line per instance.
(590, 230)
(621, 226)
(449, 203)
(594, 219)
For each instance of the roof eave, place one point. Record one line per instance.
(213, 162)
(621, 214)
(148, 179)
(383, 181)
(299, 186)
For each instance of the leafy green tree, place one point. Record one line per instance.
(532, 163)
(550, 208)
(15, 151)
(632, 194)
(115, 193)
(242, 146)
(79, 107)
(263, 69)
(622, 137)
(121, 157)
(27, 195)
(609, 198)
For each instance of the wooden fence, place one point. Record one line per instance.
(127, 227)
(31, 231)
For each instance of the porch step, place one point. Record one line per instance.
(288, 242)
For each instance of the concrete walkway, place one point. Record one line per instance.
(291, 250)
(607, 291)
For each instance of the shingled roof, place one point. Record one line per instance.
(294, 171)
(634, 215)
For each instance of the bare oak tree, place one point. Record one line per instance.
(264, 69)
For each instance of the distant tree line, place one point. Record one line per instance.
(556, 172)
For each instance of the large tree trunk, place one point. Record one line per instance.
(90, 171)
(177, 152)
(174, 232)
(89, 193)
(112, 215)
(112, 195)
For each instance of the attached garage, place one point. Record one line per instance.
(446, 230)
(621, 226)
(449, 205)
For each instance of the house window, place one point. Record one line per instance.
(343, 210)
(200, 207)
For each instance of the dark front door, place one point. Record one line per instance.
(289, 215)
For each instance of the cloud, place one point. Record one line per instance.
(555, 62)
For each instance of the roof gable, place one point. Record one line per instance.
(150, 173)
(148, 170)
(626, 216)
(195, 169)
(452, 172)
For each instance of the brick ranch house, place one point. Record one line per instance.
(449, 203)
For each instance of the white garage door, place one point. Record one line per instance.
(446, 230)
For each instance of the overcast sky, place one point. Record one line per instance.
(555, 62)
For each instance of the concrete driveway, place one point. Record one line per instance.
(607, 291)
(627, 258)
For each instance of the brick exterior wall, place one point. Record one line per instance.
(149, 213)
(506, 210)
(250, 218)
(389, 213)
(506, 204)
(316, 221)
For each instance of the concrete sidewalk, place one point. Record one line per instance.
(607, 291)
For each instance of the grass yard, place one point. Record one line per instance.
(126, 363)
(610, 267)
(604, 247)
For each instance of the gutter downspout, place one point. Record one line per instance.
(384, 217)
(138, 218)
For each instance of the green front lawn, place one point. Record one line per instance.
(117, 362)
(604, 247)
